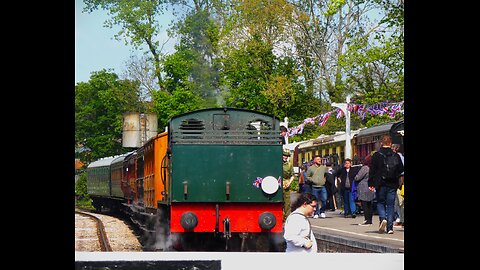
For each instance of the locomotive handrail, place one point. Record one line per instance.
(163, 175)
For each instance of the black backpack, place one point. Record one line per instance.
(390, 165)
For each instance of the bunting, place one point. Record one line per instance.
(257, 182)
(391, 109)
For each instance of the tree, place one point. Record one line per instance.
(141, 70)
(99, 107)
(84, 199)
(245, 75)
(323, 30)
(374, 62)
(266, 20)
(288, 58)
(198, 34)
(257, 72)
(139, 26)
(178, 102)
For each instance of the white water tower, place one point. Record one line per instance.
(138, 128)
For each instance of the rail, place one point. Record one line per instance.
(102, 234)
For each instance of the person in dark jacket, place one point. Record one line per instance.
(330, 185)
(347, 175)
(283, 133)
(385, 187)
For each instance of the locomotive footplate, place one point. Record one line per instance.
(234, 226)
(242, 217)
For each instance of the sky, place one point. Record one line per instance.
(96, 47)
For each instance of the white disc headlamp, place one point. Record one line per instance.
(270, 185)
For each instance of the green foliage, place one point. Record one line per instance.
(99, 107)
(193, 65)
(258, 80)
(177, 67)
(375, 72)
(294, 185)
(83, 200)
(263, 20)
(169, 105)
(333, 7)
(246, 72)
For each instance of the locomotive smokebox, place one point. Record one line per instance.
(138, 128)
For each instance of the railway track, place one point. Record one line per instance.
(101, 233)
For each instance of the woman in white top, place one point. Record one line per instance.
(298, 233)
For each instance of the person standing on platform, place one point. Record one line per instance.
(399, 206)
(330, 177)
(365, 195)
(316, 175)
(384, 176)
(298, 232)
(288, 177)
(303, 184)
(346, 175)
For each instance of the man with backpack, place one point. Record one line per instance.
(384, 176)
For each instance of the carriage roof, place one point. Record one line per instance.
(107, 161)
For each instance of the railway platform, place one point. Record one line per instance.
(236, 260)
(342, 245)
(338, 234)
